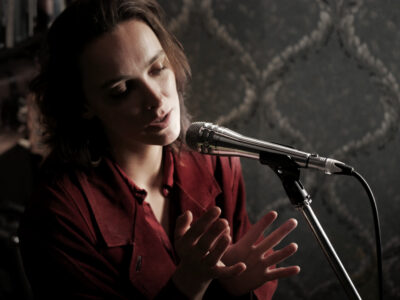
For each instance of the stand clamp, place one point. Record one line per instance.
(289, 173)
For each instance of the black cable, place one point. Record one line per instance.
(376, 227)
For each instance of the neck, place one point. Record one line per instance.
(143, 166)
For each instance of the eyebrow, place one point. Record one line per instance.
(125, 77)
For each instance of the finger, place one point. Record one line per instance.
(208, 239)
(229, 271)
(272, 274)
(257, 230)
(216, 253)
(280, 255)
(183, 224)
(276, 236)
(198, 227)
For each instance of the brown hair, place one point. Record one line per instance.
(58, 87)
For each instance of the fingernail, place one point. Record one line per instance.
(215, 211)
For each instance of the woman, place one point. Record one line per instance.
(124, 210)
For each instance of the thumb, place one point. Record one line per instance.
(229, 272)
(183, 224)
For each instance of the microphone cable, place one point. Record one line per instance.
(217, 140)
(377, 227)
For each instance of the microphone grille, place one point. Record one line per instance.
(193, 134)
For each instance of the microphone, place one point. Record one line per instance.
(208, 138)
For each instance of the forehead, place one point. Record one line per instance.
(124, 50)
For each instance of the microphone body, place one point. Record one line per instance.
(208, 138)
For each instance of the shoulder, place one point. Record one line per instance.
(58, 194)
(58, 180)
(58, 204)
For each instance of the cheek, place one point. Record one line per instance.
(170, 84)
(117, 119)
(108, 109)
(177, 125)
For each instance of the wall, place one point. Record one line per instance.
(322, 76)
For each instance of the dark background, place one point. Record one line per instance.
(322, 76)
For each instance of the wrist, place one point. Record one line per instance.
(193, 288)
(224, 291)
(234, 289)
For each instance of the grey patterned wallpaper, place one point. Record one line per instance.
(322, 76)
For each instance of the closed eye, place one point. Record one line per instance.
(122, 90)
(159, 66)
(118, 91)
(156, 71)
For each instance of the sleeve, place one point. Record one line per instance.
(62, 260)
(233, 203)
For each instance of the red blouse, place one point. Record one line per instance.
(91, 235)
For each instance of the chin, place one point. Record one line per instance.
(173, 133)
(170, 138)
(167, 138)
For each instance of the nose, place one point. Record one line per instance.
(153, 97)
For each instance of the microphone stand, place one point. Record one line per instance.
(289, 173)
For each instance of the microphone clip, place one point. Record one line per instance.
(289, 173)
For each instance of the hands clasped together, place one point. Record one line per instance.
(206, 253)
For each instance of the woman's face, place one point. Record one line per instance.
(130, 86)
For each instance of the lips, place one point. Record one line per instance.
(160, 122)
